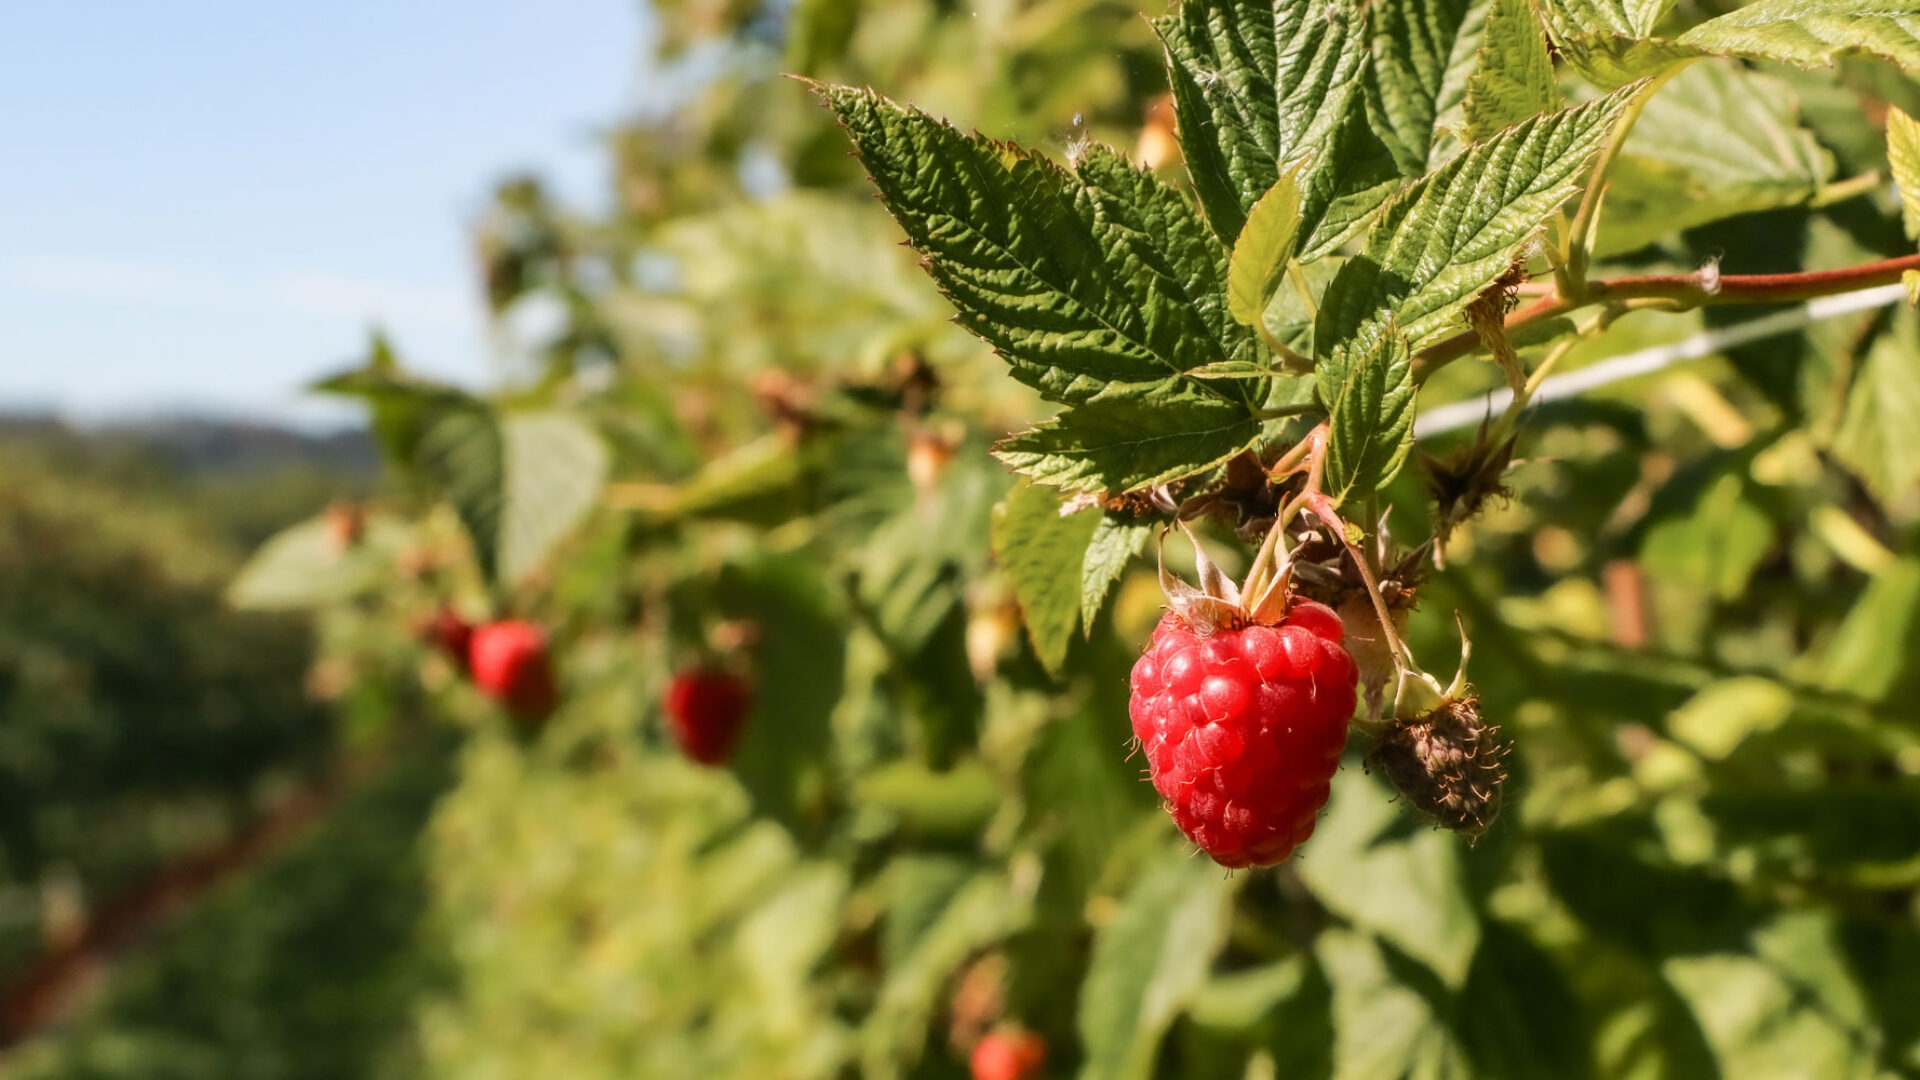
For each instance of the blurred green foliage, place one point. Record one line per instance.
(143, 719)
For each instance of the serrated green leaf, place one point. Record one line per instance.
(1514, 80)
(1716, 720)
(519, 483)
(1450, 235)
(1903, 154)
(1875, 439)
(1717, 544)
(1042, 553)
(956, 802)
(1405, 885)
(1148, 962)
(1814, 33)
(1609, 60)
(1370, 420)
(1261, 253)
(555, 466)
(1116, 540)
(753, 482)
(1606, 40)
(1385, 1027)
(1790, 1008)
(784, 937)
(1238, 1000)
(1626, 18)
(1874, 650)
(1130, 438)
(1718, 140)
(1080, 279)
(402, 406)
(1260, 87)
(460, 455)
(1421, 52)
(787, 735)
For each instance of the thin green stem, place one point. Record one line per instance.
(1841, 191)
(1298, 277)
(1281, 412)
(1279, 348)
(1579, 241)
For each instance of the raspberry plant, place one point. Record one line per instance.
(1567, 323)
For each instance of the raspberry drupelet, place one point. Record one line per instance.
(1243, 728)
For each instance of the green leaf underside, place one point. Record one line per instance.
(1814, 33)
(1131, 438)
(1803, 33)
(1042, 553)
(1261, 253)
(1081, 280)
(1716, 141)
(1421, 50)
(1450, 235)
(1603, 39)
(1608, 60)
(520, 483)
(1370, 421)
(1514, 80)
(304, 566)
(1626, 18)
(1115, 542)
(1903, 154)
(554, 467)
(1258, 88)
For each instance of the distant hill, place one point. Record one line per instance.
(199, 445)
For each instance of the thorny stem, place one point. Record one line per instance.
(1316, 500)
(1678, 292)
(1323, 507)
(1291, 460)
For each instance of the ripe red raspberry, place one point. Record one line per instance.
(705, 711)
(510, 664)
(1008, 1054)
(1243, 728)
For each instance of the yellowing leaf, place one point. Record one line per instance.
(1903, 153)
(1265, 246)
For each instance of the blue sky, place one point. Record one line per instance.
(205, 203)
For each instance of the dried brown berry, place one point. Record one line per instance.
(1448, 763)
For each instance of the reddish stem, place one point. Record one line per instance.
(1687, 290)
